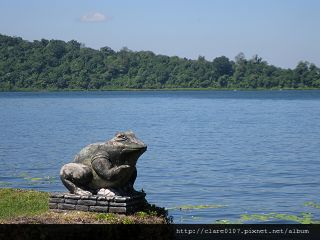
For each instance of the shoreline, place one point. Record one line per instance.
(157, 90)
(32, 207)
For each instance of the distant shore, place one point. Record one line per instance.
(53, 65)
(153, 89)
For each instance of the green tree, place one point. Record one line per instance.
(55, 64)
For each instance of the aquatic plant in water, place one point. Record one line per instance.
(5, 184)
(312, 204)
(195, 207)
(304, 218)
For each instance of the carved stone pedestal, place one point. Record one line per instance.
(98, 203)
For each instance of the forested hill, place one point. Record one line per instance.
(55, 64)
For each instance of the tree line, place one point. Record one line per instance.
(57, 65)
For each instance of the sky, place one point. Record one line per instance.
(282, 32)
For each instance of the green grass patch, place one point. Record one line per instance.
(17, 202)
(109, 217)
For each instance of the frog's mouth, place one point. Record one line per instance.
(135, 149)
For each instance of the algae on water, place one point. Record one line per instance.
(195, 207)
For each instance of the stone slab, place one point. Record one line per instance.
(72, 196)
(105, 198)
(87, 202)
(82, 208)
(57, 195)
(99, 209)
(71, 201)
(66, 206)
(56, 200)
(103, 203)
(53, 205)
(97, 203)
(118, 210)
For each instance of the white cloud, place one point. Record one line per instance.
(94, 17)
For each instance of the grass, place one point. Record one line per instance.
(28, 206)
(16, 202)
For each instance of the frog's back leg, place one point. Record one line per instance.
(75, 176)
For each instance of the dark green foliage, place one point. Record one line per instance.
(55, 64)
(153, 210)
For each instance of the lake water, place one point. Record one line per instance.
(245, 152)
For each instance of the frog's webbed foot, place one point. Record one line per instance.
(111, 192)
(82, 192)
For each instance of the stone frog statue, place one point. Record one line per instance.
(107, 168)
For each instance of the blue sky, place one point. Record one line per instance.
(282, 32)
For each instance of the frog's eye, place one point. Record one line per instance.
(121, 137)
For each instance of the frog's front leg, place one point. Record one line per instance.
(124, 190)
(102, 167)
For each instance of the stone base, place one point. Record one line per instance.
(98, 203)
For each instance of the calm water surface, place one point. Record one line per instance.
(247, 152)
